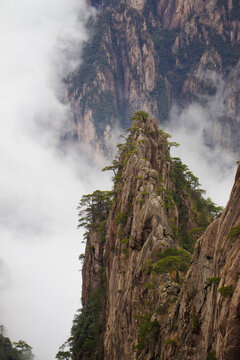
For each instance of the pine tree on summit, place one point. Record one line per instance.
(24, 349)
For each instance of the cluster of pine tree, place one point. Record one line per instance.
(19, 350)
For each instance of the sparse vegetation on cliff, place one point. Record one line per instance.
(147, 330)
(169, 260)
(226, 291)
(93, 211)
(214, 280)
(212, 355)
(187, 189)
(234, 232)
(87, 327)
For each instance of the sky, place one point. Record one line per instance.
(41, 183)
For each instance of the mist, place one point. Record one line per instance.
(41, 183)
(214, 166)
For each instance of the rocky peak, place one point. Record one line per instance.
(133, 270)
(138, 228)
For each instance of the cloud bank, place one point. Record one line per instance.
(40, 183)
(191, 127)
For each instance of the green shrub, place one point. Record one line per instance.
(170, 259)
(144, 192)
(234, 232)
(134, 129)
(211, 355)
(169, 264)
(140, 115)
(169, 201)
(149, 286)
(151, 132)
(102, 230)
(121, 218)
(146, 330)
(226, 291)
(173, 143)
(160, 190)
(171, 341)
(125, 241)
(125, 251)
(118, 177)
(161, 310)
(164, 134)
(214, 280)
(195, 323)
(91, 248)
(81, 257)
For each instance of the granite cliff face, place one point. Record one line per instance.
(148, 54)
(140, 302)
(207, 312)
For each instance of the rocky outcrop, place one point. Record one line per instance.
(150, 306)
(145, 54)
(207, 312)
(92, 266)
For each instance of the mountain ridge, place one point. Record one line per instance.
(149, 55)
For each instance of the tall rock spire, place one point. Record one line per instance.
(140, 300)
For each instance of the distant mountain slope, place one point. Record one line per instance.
(146, 54)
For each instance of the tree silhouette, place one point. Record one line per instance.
(24, 349)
